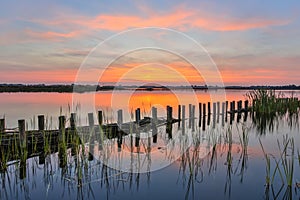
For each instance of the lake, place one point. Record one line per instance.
(224, 161)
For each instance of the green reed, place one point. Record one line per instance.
(287, 159)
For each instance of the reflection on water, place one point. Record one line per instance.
(228, 167)
(220, 161)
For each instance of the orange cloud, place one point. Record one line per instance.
(150, 72)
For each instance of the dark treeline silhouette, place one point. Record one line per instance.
(91, 88)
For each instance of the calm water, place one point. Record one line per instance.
(190, 175)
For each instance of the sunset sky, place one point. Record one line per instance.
(251, 42)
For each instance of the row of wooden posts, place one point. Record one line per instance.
(218, 109)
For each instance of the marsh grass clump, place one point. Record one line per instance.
(267, 106)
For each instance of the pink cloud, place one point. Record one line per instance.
(50, 35)
(180, 18)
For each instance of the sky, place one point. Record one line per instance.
(68, 41)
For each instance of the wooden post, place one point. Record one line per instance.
(2, 125)
(100, 117)
(179, 115)
(193, 117)
(92, 130)
(138, 115)
(23, 147)
(41, 122)
(23, 138)
(231, 112)
(208, 108)
(72, 121)
(223, 112)
(137, 120)
(218, 112)
(214, 114)
(120, 122)
(239, 115)
(169, 121)
(190, 115)
(183, 119)
(208, 114)
(204, 117)
(246, 110)
(239, 103)
(200, 114)
(226, 111)
(62, 123)
(101, 134)
(246, 105)
(154, 124)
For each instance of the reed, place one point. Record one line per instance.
(287, 159)
(268, 165)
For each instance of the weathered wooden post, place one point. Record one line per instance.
(226, 111)
(223, 112)
(41, 122)
(154, 124)
(179, 115)
(239, 115)
(2, 125)
(137, 120)
(204, 117)
(72, 121)
(246, 103)
(61, 141)
(214, 114)
(92, 134)
(120, 122)
(231, 112)
(183, 119)
(239, 104)
(190, 115)
(22, 133)
(100, 117)
(169, 121)
(62, 123)
(23, 147)
(208, 114)
(193, 117)
(101, 134)
(246, 110)
(200, 114)
(138, 115)
(218, 112)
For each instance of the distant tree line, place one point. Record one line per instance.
(90, 88)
